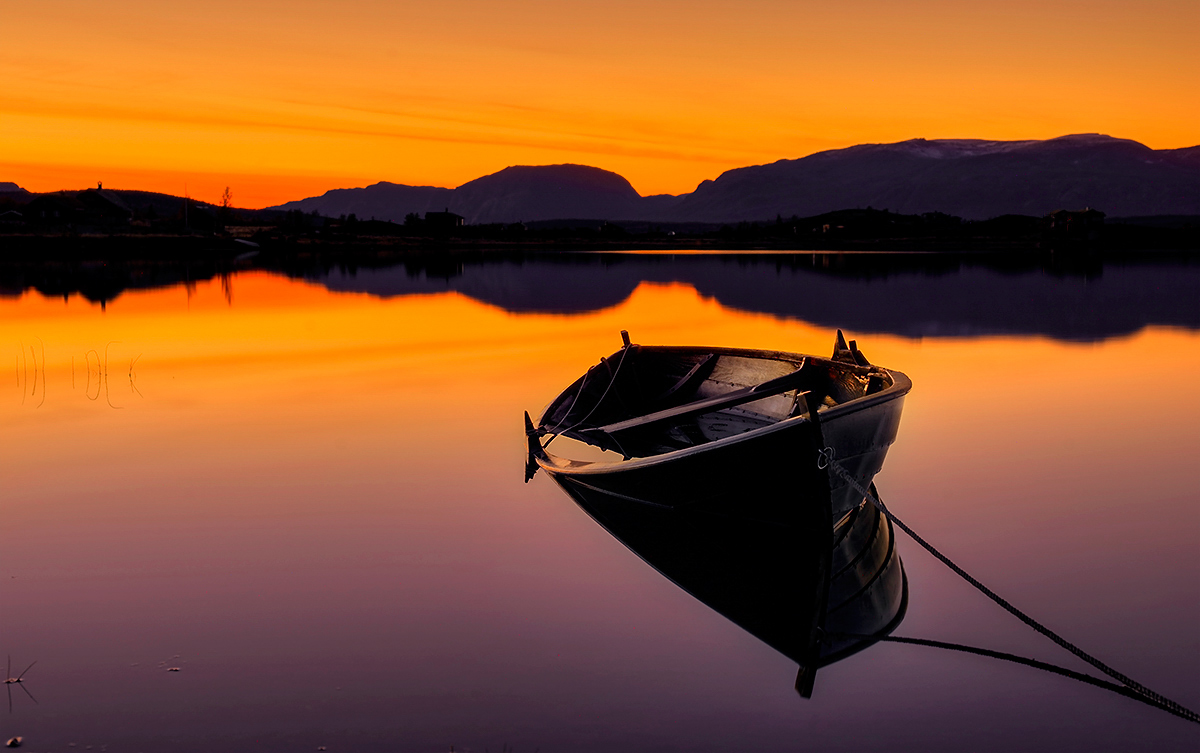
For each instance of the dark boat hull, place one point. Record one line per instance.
(747, 474)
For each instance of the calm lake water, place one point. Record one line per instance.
(307, 494)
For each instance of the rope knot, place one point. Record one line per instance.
(824, 458)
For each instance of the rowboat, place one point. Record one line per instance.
(722, 429)
(712, 465)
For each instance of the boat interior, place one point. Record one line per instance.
(647, 400)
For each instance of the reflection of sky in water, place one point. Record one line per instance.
(316, 503)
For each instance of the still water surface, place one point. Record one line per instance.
(307, 495)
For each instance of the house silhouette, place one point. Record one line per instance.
(446, 220)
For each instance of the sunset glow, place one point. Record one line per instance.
(286, 100)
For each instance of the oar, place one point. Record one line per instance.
(768, 388)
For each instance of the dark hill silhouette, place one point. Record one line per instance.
(164, 204)
(1189, 155)
(115, 210)
(514, 194)
(968, 178)
(658, 206)
(383, 201)
(545, 193)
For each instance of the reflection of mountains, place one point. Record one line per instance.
(952, 300)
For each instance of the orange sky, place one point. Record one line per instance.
(282, 100)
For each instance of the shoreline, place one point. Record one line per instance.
(101, 268)
(17, 248)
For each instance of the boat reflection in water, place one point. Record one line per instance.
(703, 461)
(778, 580)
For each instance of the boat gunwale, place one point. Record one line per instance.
(554, 464)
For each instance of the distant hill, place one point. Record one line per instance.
(6, 187)
(137, 201)
(163, 204)
(382, 201)
(514, 194)
(1190, 154)
(146, 206)
(545, 193)
(969, 178)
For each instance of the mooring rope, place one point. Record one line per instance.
(1112, 687)
(611, 381)
(826, 459)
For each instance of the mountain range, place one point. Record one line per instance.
(970, 178)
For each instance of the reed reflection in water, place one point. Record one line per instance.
(318, 505)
